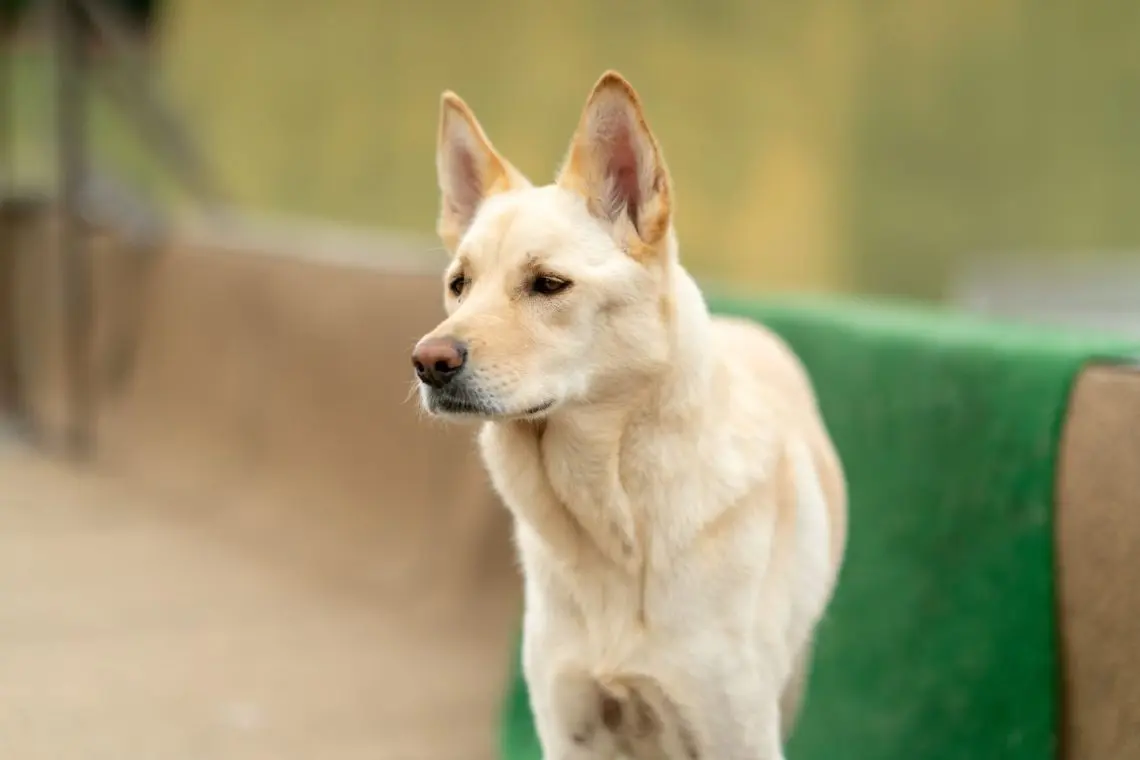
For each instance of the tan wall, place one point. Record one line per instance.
(271, 554)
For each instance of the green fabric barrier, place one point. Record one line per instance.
(940, 643)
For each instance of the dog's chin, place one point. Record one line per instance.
(447, 406)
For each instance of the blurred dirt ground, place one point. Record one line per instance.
(134, 626)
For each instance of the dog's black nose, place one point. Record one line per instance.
(438, 360)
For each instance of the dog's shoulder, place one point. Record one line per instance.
(764, 367)
(764, 360)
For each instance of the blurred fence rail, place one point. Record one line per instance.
(1101, 295)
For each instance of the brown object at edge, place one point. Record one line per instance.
(1098, 562)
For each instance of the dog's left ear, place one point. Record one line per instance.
(616, 165)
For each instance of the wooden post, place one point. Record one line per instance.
(71, 116)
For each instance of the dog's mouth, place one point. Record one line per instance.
(440, 402)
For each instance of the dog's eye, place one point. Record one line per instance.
(457, 284)
(544, 285)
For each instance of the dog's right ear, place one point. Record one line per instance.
(470, 169)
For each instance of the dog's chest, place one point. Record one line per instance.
(595, 524)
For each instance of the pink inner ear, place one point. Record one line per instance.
(623, 172)
(466, 182)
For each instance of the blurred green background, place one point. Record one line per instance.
(818, 144)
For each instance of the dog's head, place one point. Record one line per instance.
(557, 294)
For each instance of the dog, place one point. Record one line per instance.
(679, 507)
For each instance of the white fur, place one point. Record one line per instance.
(679, 509)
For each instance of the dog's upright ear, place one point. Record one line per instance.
(470, 169)
(615, 163)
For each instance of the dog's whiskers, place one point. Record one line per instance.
(413, 390)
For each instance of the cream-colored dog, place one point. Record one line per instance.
(680, 511)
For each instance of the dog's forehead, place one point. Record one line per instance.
(533, 223)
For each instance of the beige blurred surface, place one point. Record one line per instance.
(133, 628)
(272, 555)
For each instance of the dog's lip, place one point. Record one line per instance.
(538, 409)
(445, 402)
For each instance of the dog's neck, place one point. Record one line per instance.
(579, 452)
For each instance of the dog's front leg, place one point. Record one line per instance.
(752, 737)
(736, 713)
